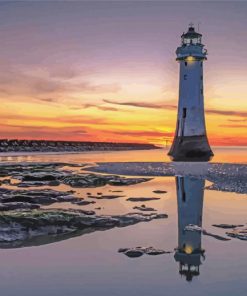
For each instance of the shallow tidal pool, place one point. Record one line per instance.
(203, 240)
(90, 264)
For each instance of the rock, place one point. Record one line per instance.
(192, 227)
(159, 191)
(216, 236)
(31, 184)
(139, 251)
(152, 251)
(105, 196)
(6, 181)
(35, 174)
(134, 253)
(54, 183)
(122, 181)
(136, 199)
(122, 250)
(83, 202)
(144, 208)
(35, 196)
(24, 226)
(39, 177)
(84, 180)
(65, 146)
(10, 206)
(132, 218)
(94, 180)
(238, 233)
(227, 226)
(86, 212)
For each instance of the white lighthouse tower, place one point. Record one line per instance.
(190, 192)
(190, 142)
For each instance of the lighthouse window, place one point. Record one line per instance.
(185, 77)
(185, 63)
(201, 64)
(184, 112)
(201, 91)
(201, 77)
(184, 196)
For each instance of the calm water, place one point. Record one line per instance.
(221, 154)
(90, 264)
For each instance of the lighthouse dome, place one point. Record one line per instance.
(191, 37)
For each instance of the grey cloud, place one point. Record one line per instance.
(142, 105)
(100, 107)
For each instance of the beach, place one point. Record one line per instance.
(115, 223)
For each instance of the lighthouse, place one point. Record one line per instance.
(190, 142)
(190, 191)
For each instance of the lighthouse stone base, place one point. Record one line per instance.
(190, 148)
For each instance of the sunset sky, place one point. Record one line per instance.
(106, 71)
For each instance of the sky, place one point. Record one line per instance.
(106, 71)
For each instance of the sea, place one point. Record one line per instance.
(204, 261)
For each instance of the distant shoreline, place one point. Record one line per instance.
(30, 147)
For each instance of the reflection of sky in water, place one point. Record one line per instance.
(90, 264)
(221, 154)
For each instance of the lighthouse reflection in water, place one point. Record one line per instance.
(189, 252)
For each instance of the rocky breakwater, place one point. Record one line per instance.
(9, 145)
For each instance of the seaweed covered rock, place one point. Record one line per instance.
(10, 206)
(159, 191)
(144, 208)
(36, 196)
(227, 226)
(105, 196)
(239, 233)
(196, 228)
(137, 199)
(95, 180)
(139, 251)
(82, 202)
(26, 225)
